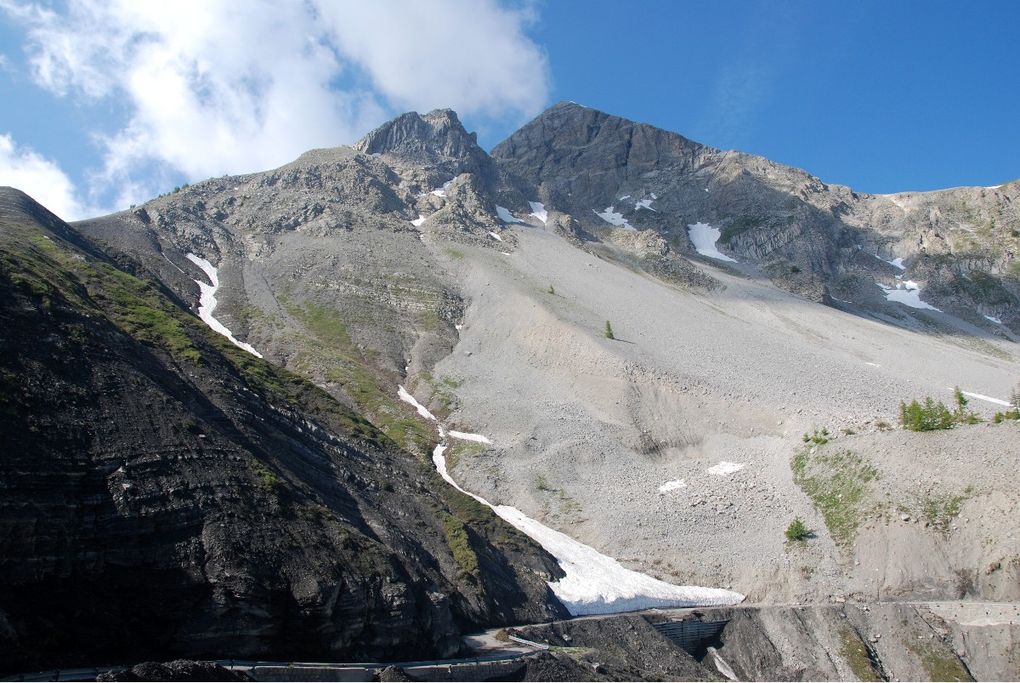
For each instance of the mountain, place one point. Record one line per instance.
(766, 327)
(168, 492)
(826, 242)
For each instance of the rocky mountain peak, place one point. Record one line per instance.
(436, 136)
(568, 125)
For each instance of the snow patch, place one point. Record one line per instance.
(417, 222)
(908, 293)
(897, 262)
(673, 485)
(644, 204)
(724, 468)
(538, 211)
(207, 303)
(992, 318)
(626, 196)
(505, 215)
(704, 238)
(613, 218)
(988, 399)
(495, 236)
(464, 436)
(441, 192)
(721, 665)
(406, 397)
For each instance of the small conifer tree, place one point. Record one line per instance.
(797, 531)
(961, 400)
(609, 331)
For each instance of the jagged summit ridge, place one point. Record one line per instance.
(421, 138)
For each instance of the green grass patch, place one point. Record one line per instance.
(331, 348)
(819, 437)
(856, 654)
(940, 509)
(266, 477)
(459, 541)
(939, 663)
(441, 391)
(837, 484)
(461, 449)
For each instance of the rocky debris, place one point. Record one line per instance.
(835, 643)
(556, 666)
(177, 670)
(393, 673)
(626, 647)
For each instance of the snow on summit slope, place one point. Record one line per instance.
(908, 293)
(613, 217)
(207, 303)
(704, 238)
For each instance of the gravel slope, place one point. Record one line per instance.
(587, 429)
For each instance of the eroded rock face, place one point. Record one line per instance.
(810, 237)
(168, 493)
(859, 641)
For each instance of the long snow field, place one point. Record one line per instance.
(593, 583)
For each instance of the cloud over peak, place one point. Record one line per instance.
(213, 87)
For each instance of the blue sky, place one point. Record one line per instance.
(107, 103)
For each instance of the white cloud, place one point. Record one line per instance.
(471, 55)
(218, 86)
(42, 179)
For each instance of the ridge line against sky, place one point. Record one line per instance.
(109, 103)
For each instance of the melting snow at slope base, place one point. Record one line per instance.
(464, 436)
(505, 215)
(908, 293)
(673, 485)
(538, 211)
(207, 303)
(724, 468)
(613, 218)
(593, 583)
(704, 237)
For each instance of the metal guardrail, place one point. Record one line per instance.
(530, 643)
(90, 673)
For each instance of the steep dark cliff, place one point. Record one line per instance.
(165, 493)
